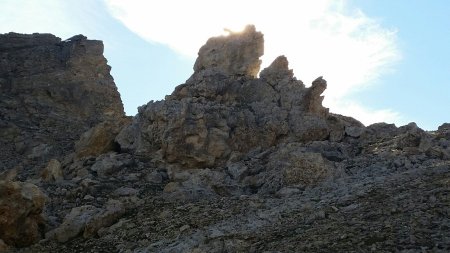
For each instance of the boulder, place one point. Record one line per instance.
(52, 172)
(354, 131)
(99, 139)
(74, 223)
(304, 169)
(291, 166)
(87, 220)
(112, 212)
(21, 206)
(108, 164)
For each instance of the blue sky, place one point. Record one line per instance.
(419, 85)
(383, 60)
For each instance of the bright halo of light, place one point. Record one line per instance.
(319, 38)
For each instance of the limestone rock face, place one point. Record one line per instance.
(51, 91)
(99, 139)
(235, 54)
(304, 168)
(21, 205)
(221, 110)
(229, 162)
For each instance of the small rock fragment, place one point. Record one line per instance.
(53, 171)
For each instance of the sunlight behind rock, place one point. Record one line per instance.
(320, 38)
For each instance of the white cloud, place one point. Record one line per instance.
(320, 38)
(28, 16)
(61, 18)
(367, 115)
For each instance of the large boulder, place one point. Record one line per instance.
(99, 139)
(21, 206)
(74, 223)
(87, 220)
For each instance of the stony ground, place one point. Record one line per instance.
(379, 203)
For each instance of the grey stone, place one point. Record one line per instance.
(73, 224)
(52, 172)
(125, 191)
(154, 177)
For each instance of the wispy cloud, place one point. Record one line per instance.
(61, 18)
(321, 37)
(28, 16)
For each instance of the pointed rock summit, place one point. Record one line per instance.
(224, 109)
(234, 54)
(277, 71)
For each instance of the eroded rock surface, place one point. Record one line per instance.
(219, 111)
(53, 171)
(51, 91)
(235, 54)
(100, 139)
(21, 206)
(229, 162)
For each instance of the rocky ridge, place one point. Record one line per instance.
(51, 91)
(229, 162)
(208, 119)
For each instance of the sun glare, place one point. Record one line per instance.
(319, 38)
(228, 31)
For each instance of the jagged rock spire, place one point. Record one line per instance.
(234, 54)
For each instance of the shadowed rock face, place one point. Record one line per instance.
(228, 162)
(223, 108)
(21, 205)
(50, 92)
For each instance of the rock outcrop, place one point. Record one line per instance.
(100, 138)
(224, 108)
(21, 206)
(234, 54)
(229, 162)
(87, 220)
(51, 91)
